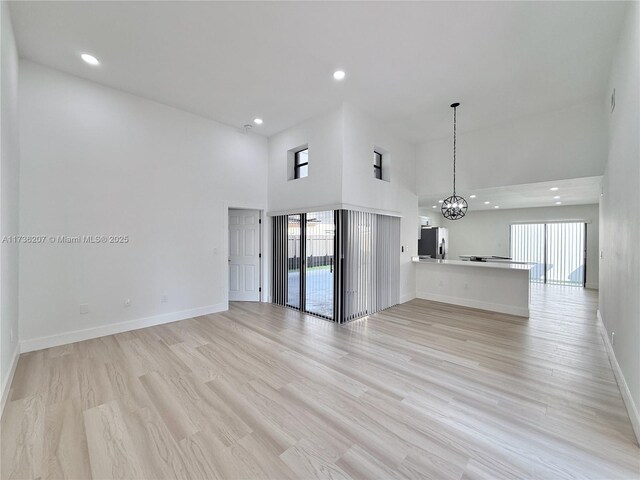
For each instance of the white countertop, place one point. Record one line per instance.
(488, 258)
(462, 263)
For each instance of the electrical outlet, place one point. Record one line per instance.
(127, 302)
(613, 338)
(84, 308)
(164, 298)
(11, 335)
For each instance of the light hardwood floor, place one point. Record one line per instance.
(422, 390)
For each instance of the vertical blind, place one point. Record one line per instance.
(279, 256)
(528, 245)
(556, 250)
(371, 266)
(341, 264)
(566, 248)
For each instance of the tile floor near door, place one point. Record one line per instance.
(421, 390)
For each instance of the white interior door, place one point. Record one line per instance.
(244, 255)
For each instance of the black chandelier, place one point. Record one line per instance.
(454, 207)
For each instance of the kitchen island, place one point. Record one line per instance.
(493, 286)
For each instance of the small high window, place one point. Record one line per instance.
(377, 165)
(301, 164)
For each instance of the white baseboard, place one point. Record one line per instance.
(465, 302)
(39, 343)
(591, 286)
(407, 297)
(632, 410)
(7, 381)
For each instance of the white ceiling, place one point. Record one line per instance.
(575, 191)
(405, 62)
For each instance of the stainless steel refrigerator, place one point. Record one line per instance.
(433, 242)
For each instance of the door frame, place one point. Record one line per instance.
(262, 248)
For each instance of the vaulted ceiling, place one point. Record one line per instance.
(405, 62)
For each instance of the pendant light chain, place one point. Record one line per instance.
(454, 207)
(454, 150)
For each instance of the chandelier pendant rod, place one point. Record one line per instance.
(454, 148)
(454, 207)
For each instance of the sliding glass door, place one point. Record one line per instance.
(294, 260)
(310, 262)
(338, 264)
(320, 234)
(556, 250)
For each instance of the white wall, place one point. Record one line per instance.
(341, 146)
(486, 232)
(620, 217)
(567, 143)
(362, 190)
(323, 187)
(435, 217)
(361, 135)
(9, 173)
(96, 161)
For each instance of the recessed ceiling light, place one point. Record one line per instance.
(472, 196)
(558, 203)
(434, 207)
(553, 189)
(257, 121)
(556, 197)
(440, 201)
(487, 203)
(90, 59)
(339, 75)
(496, 206)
